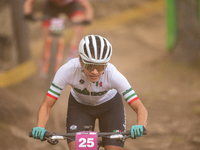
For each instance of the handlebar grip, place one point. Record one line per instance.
(85, 22)
(144, 131)
(30, 134)
(29, 17)
(46, 134)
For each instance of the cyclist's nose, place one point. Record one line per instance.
(95, 71)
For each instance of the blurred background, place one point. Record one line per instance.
(155, 46)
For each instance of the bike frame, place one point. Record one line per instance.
(54, 47)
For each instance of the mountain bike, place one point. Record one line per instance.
(54, 44)
(53, 49)
(87, 139)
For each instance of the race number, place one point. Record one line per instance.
(86, 140)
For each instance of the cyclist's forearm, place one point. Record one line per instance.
(88, 10)
(89, 14)
(43, 116)
(142, 115)
(28, 6)
(44, 111)
(141, 111)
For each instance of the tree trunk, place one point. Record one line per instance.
(188, 29)
(20, 30)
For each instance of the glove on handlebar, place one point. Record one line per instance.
(86, 22)
(38, 133)
(137, 131)
(29, 17)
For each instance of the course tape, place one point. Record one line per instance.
(18, 74)
(28, 68)
(129, 15)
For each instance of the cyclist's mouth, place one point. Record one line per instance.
(94, 77)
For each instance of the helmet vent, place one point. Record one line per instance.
(104, 49)
(98, 46)
(109, 52)
(91, 46)
(85, 50)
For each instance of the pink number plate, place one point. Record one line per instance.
(86, 140)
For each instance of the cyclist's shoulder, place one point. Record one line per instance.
(70, 66)
(110, 68)
(113, 72)
(69, 69)
(110, 71)
(72, 63)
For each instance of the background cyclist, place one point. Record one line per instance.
(97, 87)
(76, 10)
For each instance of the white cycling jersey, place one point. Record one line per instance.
(86, 92)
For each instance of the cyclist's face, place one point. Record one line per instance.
(93, 75)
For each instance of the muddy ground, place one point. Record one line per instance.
(169, 90)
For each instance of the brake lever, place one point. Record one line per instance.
(52, 142)
(122, 140)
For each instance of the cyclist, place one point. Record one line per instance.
(95, 93)
(76, 10)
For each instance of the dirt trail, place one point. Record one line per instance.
(170, 92)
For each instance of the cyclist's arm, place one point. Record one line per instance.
(44, 111)
(28, 6)
(119, 82)
(88, 9)
(141, 111)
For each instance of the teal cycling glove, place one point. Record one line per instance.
(136, 131)
(38, 133)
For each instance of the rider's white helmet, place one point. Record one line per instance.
(96, 49)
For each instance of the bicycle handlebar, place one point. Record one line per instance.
(30, 17)
(100, 134)
(53, 138)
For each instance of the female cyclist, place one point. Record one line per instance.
(97, 87)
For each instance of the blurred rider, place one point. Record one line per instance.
(76, 10)
(96, 93)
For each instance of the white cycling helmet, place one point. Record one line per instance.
(96, 49)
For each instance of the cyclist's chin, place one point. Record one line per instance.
(93, 78)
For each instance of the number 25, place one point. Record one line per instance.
(88, 143)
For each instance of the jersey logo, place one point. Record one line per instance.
(85, 92)
(81, 81)
(127, 91)
(73, 127)
(98, 83)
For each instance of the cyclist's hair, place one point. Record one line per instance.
(94, 48)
